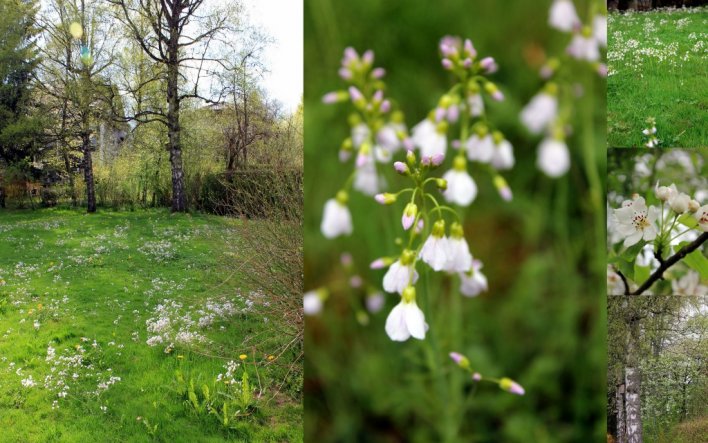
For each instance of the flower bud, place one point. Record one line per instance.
(385, 198)
(679, 203)
(460, 360)
(693, 206)
(663, 193)
(401, 168)
(409, 215)
(476, 376)
(510, 385)
(381, 263)
(441, 183)
(410, 158)
(503, 188)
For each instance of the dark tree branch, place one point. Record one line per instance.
(658, 274)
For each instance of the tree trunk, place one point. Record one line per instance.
(632, 381)
(173, 128)
(88, 174)
(633, 404)
(72, 185)
(644, 5)
(621, 422)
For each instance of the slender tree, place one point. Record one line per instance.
(185, 43)
(73, 77)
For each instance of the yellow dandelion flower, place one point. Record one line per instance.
(243, 356)
(271, 357)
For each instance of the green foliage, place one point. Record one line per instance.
(19, 128)
(657, 69)
(110, 295)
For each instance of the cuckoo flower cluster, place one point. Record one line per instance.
(635, 221)
(650, 133)
(378, 134)
(549, 111)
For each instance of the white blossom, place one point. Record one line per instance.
(540, 112)
(553, 157)
(406, 319)
(461, 188)
(399, 276)
(473, 283)
(563, 16)
(337, 219)
(429, 139)
(635, 221)
(480, 149)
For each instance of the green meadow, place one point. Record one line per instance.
(657, 68)
(136, 326)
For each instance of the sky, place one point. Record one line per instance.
(282, 20)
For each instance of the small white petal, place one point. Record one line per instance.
(553, 157)
(461, 188)
(337, 219)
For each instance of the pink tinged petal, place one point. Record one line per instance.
(355, 94)
(453, 113)
(516, 388)
(498, 96)
(467, 63)
(407, 221)
(344, 155)
(396, 327)
(400, 167)
(330, 97)
(447, 64)
(476, 376)
(345, 74)
(378, 73)
(368, 57)
(439, 114)
(385, 106)
(361, 159)
(469, 48)
(437, 159)
(456, 357)
(379, 263)
(380, 198)
(375, 302)
(350, 54)
(489, 65)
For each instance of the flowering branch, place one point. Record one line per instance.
(671, 261)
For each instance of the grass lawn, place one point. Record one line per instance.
(657, 68)
(83, 298)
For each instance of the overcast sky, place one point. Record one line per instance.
(282, 20)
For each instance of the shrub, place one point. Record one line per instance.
(254, 193)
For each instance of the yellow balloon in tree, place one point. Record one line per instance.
(76, 30)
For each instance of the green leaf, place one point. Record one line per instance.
(627, 269)
(630, 253)
(698, 262)
(641, 273)
(688, 220)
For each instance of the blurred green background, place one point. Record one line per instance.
(542, 322)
